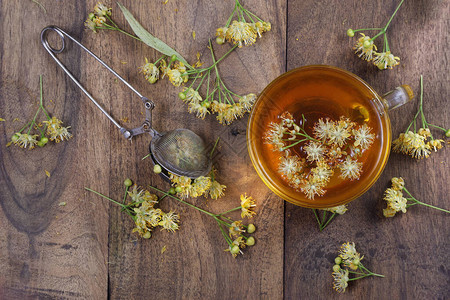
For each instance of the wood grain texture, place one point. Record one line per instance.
(412, 250)
(195, 265)
(48, 251)
(85, 250)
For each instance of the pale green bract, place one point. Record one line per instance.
(149, 39)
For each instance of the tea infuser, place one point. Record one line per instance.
(180, 151)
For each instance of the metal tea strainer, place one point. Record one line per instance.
(180, 151)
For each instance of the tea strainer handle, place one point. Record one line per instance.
(146, 127)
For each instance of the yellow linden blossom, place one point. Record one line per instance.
(313, 186)
(350, 256)
(150, 71)
(216, 190)
(236, 244)
(25, 140)
(236, 228)
(247, 204)
(341, 209)
(247, 101)
(199, 109)
(177, 75)
(397, 183)
(56, 132)
(340, 280)
(385, 60)
(363, 137)
(365, 47)
(314, 151)
(289, 165)
(241, 33)
(169, 221)
(192, 96)
(261, 27)
(201, 186)
(435, 145)
(395, 201)
(350, 169)
(102, 10)
(322, 172)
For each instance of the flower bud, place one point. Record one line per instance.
(336, 268)
(367, 44)
(178, 189)
(41, 144)
(91, 16)
(157, 169)
(152, 80)
(206, 104)
(220, 40)
(173, 58)
(356, 261)
(338, 260)
(182, 95)
(234, 250)
(14, 138)
(447, 133)
(147, 235)
(251, 228)
(127, 182)
(250, 241)
(44, 140)
(350, 32)
(172, 191)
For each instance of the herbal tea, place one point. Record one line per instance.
(319, 95)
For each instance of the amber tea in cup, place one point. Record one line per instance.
(318, 92)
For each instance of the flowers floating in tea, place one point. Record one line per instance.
(309, 161)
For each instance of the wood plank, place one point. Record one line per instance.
(194, 264)
(49, 251)
(410, 249)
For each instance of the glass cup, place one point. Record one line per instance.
(314, 92)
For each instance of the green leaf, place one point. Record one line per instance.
(149, 39)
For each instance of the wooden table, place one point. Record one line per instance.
(85, 249)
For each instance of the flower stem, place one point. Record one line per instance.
(390, 20)
(236, 208)
(329, 220)
(214, 148)
(438, 127)
(184, 202)
(34, 120)
(224, 234)
(317, 218)
(126, 192)
(363, 29)
(422, 203)
(356, 278)
(370, 272)
(112, 200)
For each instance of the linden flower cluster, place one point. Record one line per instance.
(186, 187)
(141, 208)
(348, 262)
(236, 238)
(334, 146)
(240, 32)
(53, 129)
(99, 17)
(218, 99)
(414, 143)
(326, 219)
(367, 50)
(146, 216)
(396, 202)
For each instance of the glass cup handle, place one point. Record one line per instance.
(401, 95)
